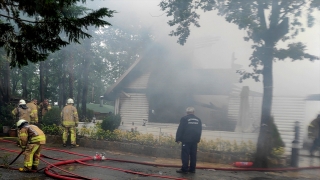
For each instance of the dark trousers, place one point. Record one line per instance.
(315, 145)
(189, 152)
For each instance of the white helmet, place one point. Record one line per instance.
(70, 101)
(22, 102)
(21, 122)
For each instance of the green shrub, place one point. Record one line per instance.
(276, 144)
(89, 116)
(6, 117)
(111, 122)
(275, 135)
(52, 117)
(52, 129)
(243, 150)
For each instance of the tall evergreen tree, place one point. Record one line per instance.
(30, 30)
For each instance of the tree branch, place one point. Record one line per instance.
(289, 10)
(262, 16)
(19, 19)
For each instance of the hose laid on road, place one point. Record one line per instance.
(129, 171)
(153, 164)
(48, 171)
(50, 165)
(80, 161)
(202, 167)
(65, 151)
(221, 169)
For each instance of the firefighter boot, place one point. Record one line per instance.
(34, 168)
(74, 145)
(25, 169)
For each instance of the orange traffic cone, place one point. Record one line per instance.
(242, 164)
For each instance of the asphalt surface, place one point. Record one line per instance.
(113, 170)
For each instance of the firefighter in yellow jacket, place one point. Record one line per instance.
(44, 107)
(31, 139)
(34, 111)
(70, 120)
(22, 111)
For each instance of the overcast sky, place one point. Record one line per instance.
(298, 78)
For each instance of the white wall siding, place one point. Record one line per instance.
(285, 110)
(134, 108)
(140, 82)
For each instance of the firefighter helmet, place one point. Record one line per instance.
(70, 101)
(21, 102)
(21, 122)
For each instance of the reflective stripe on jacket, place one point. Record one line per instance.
(34, 110)
(23, 113)
(31, 134)
(69, 116)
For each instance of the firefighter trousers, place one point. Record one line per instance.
(31, 155)
(315, 145)
(66, 131)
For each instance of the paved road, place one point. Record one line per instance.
(112, 174)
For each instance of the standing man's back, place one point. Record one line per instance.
(189, 133)
(314, 134)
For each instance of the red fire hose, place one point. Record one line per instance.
(48, 170)
(87, 158)
(128, 171)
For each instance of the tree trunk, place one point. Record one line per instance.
(24, 82)
(79, 91)
(6, 82)
(263, 148)
(14, 81)
(45, 81)
(85, 82)
(275, 32)
(64, 89)
(61, 87)
(41, 87)
(1, 86)
(71, 74)
(85, 89)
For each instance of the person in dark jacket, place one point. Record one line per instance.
(189, 134)
(314, 134)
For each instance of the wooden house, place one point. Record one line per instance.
(158, 89)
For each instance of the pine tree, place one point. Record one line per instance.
(30, 30)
